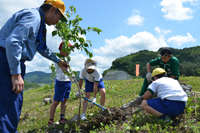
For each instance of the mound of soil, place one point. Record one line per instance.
(117, 116)
(113, 115)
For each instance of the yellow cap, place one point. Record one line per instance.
(158, 71)
(60, 5)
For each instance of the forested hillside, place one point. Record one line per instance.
(40, 77)
(189, 59)
(28, 85)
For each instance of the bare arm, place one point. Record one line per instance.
(147, 95)
(95, 88)
(80, 83)
(172, 76)
(148, 68)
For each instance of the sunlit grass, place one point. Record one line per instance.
(35, 115)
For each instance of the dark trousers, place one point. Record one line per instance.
(10, 102)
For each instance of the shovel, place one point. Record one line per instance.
(94, 103)
(77, 117)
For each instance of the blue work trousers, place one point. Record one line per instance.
(10, 102)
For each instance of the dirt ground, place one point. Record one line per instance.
(113, 115)
(117, 115)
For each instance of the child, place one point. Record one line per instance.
(93, 82)
(165, 61)
(171, 97)
(62, 91)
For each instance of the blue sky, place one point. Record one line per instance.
(127, 26)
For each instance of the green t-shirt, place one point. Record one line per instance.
(171, 67)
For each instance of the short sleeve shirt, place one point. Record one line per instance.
(60, 75)
(95, 76)
(171, 67)
(168, 88)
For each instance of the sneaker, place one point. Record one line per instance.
(83, 117)
(63, 121)
(51, 123)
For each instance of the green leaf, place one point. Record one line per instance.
(84, 32)
(90, 55)
(75, 72)
(81, 40)
(80, 19)
(71, 31)
(89, 42)
(54, 33)
(85, 44)
(80, 29)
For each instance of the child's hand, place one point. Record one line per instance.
(63, 65)
(78, 94)
(65, 71)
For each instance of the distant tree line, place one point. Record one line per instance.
(28, 85)
(189, 59)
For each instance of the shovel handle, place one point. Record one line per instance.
(94, 103)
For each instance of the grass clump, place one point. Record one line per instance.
(35, 115)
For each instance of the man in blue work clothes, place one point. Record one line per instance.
(21, 36)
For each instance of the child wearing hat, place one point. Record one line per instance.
(62, 91)
(166, 61)
(93, 83)
(171, 99)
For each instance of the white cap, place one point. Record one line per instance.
(90, 63)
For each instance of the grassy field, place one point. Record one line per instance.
(35, 115)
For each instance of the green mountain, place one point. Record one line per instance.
(28, 85)
(40, 77)
(189, 59)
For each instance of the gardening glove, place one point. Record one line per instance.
(73, 75)
(78, 94)
(148, 77)
(93, 101)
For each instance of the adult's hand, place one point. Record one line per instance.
(18, 83)
(63, 65)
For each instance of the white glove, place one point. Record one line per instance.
(148, 77)
(93, 101)
(78, 94)
(73, 75)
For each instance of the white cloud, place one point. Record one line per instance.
(179, 40)
(174, 10)
(103, 62)
(162, 32)
(135, 19)
(52, 42)
(6, 10)
(78, 60)
(38, 63)
(123, 45)
(114, 48)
